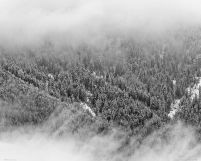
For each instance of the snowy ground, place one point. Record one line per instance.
(87, 108)
(193, 91)
(174, 108)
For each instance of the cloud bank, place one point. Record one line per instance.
(25, 22)
(180, 144)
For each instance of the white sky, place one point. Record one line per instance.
(31, 20)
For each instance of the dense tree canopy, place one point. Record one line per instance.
(133, 89)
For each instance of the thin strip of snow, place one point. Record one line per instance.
(87, 108)
(174, 108)
(195, 90)
(174, 82)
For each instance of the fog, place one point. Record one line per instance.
(179, 144)
(64, 21)
(32, 23)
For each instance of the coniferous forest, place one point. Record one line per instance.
(100, 80)
(128, 84)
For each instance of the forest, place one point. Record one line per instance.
(128, 84)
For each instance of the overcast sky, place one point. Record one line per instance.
(31, 20)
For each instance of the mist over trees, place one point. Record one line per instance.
(104, 80)
(128, 84)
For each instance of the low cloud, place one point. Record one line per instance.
(33, 22)
(174, 143)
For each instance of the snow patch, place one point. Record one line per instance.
(174, 108)
(195, 89)
(50, 76)
(174, 82)
(89, 94)
(96, 76)
(87, 108)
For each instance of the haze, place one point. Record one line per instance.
(28, 22)
(35, 146)
(32, 23)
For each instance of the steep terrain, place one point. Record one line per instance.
(131, 96)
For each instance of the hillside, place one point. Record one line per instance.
(133, 91)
